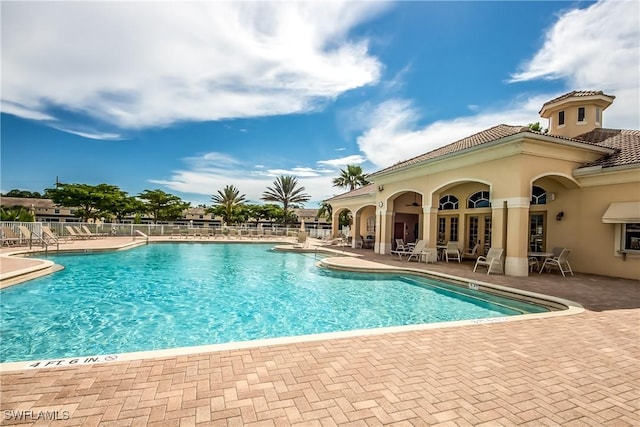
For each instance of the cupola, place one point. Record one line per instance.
(576, 112)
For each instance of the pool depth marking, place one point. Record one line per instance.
(72, 361)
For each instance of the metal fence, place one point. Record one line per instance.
(112, 229)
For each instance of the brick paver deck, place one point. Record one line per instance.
(571, 370)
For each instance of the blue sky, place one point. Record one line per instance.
(189, 97)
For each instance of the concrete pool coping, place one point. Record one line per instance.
(344, 261)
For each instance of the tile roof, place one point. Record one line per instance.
(483, 137)
(576, 94)
(367, 189)
(27, 202)
(625, 142)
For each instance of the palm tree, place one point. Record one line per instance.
(284, 191)
(351, 178)
(229, 199)
(325, 210)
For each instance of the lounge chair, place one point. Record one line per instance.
(9, 237)
(29, 236)
(80, 232)
(50, 237)
(91, 234)
(452, 252)
(175, 233)
(74, 234)
(493, 260)
(561, 262)
(401, 245)
(415, 252)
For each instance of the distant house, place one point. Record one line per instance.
(44, 209)
(311, 218)
(577, 186)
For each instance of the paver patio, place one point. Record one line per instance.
(571, 370)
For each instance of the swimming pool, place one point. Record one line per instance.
(163, 296)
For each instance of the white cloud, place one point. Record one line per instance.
(210, 172)
(394, 136)
(597, 48)
(104, 136)
(139, 64)
(24, 112)
(354, 159)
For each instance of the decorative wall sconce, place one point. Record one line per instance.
(552, 196)
(560, 216)
(380, 187)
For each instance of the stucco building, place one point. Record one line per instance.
(576, 186)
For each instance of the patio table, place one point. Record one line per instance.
(541, 256)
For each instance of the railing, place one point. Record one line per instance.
(35, 233)
(122, 230)
(140, 233)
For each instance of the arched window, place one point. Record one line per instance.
(538, 196)
(448, 203)
(479, 200)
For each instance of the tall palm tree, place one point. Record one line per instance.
(351, 178)
(284, 191)
(229, 198)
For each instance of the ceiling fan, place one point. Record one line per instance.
(415, 201)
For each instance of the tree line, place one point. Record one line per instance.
(109, 202)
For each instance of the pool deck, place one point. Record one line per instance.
(580, 370)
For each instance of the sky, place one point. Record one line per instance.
(189, 97)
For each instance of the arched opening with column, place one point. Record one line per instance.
(341, 219)
(461, 212)
(550, 202)
(402, 219)
(364, 227)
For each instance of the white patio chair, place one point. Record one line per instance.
(561, 262)
(452, 252)
(417, 251)
(493, 260)
(472, 253)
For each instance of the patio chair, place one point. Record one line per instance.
(472, 253)
(561, 262)
(533, 263)
(452, 252)
(417, 251)
(492, 260)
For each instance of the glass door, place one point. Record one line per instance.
(536, 232)
(479, 231)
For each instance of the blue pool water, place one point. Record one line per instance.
(176, 295)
